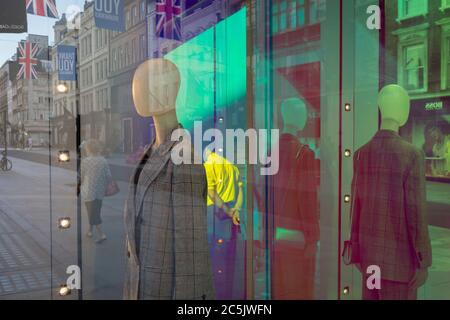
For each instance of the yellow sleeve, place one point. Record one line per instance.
(210, 176)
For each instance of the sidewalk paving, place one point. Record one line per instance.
(117, 162)
(35, 248)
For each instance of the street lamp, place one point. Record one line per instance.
(62, 88)
(64, 156)
(64, 223)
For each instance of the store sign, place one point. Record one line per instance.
(109, 14)
(434, 105)
(67, 63)
(13, 16)
(439, 105)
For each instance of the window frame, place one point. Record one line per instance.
(445, 55)
(408, 38)
(445, 4)
(401, 5)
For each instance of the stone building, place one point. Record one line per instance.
(127, 50)
(64, 103)
(32, 100)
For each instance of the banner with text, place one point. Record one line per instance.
(13, 17)
(67, 63)
(109, 14)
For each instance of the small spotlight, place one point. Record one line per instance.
(347, 107)
(62, 88)
(64, 223)
(221, 119)
(220, 241)
(347, 153)
(347, 198)
(220, 271)
(64, 290)
(220, 150)
(346, 290)
(64, 156)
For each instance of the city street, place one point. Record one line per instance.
(29, 207)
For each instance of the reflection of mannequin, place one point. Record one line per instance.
(389, 224)
(166, 203)
(295, 210)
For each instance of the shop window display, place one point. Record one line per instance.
(305, 73)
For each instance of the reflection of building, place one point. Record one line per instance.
(418, 58)
(64, 104)
(127, 51)
(296, 32)
(32, 101)
(5, 103)
(93, 77)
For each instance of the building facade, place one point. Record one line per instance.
(32, 101)
(64, 103)
(418, 58)
(129, 132)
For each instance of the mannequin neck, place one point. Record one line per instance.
(390, 124)
(290, 129)
(164, 125)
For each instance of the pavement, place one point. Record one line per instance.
(119, 168)
(35, 253)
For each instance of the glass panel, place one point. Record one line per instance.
(295, 231)
(90, 143)
(408, 55)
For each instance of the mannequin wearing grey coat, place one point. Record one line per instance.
(166, 230)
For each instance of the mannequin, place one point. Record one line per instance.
(389, 221)
(394, 105)
(155, 87)
(295, 209)
(166, 203)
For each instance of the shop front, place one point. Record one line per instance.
(299, 82)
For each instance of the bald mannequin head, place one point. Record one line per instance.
(155, 87)
(294, 113)
(394, 104)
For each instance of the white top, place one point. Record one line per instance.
(95, 176)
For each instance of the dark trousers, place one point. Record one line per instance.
(94, 209)
(225, 255)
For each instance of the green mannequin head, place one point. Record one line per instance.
(294, 113)
(394, 104)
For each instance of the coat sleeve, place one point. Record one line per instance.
(415, 210)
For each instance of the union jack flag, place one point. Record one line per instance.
(45, 8)
(168, 19)
(26, 58)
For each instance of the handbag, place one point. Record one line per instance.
(350, 252)
(112, 188)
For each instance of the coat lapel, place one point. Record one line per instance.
(152, 169)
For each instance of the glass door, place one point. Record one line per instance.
(405, 43)
(295, 54)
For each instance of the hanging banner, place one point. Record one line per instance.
(13, 16)
(67, 63)
(109, 14)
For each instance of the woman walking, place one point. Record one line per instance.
(95, 176)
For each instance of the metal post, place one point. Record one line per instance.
(78, 154)
(249, 273)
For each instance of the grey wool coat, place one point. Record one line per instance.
(390, 223)
(159, 190)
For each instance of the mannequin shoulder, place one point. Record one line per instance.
(411, 150)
